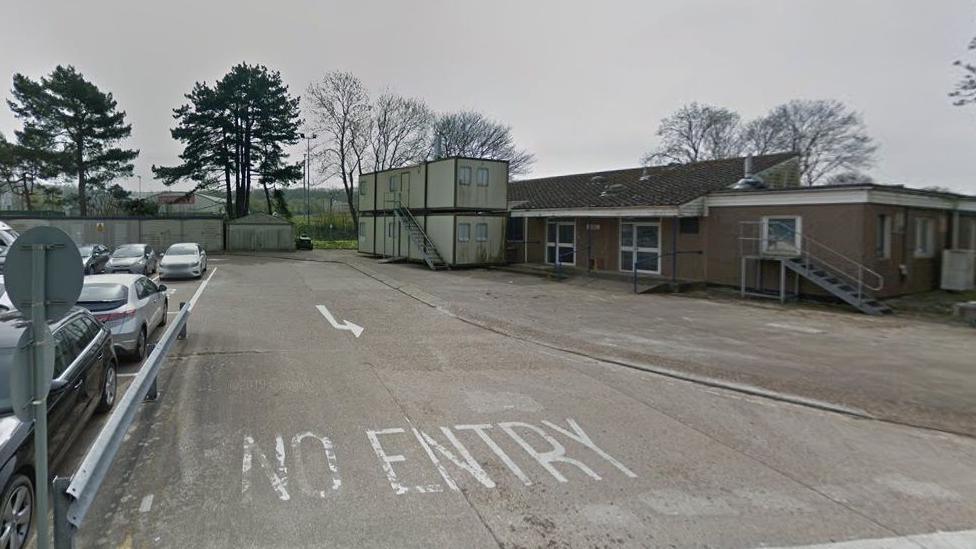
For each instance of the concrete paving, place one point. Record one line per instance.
(904, 370)
(278, 430)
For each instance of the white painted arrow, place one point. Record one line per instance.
(356, 329)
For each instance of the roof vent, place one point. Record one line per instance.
(598, 179)
(749, 183)
(644, 175)
(616, 187)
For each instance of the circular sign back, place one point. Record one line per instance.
(62, 276)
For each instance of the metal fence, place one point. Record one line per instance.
(158, 232)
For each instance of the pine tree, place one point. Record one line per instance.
(78, 125)
(236, 130)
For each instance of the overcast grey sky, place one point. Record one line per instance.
(583, 84)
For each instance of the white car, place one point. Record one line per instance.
(184, 259)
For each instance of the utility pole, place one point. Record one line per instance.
(308, 176)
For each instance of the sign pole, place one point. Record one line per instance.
(41, 343)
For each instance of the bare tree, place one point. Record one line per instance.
(826, 135)
(469, 133)
(399, 131)
(850, 178)
(697, 132)
(339, 110)
(965, 92)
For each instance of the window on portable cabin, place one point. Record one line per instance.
(481, 232)
(393, 183)
(482, 177)
(464, 175)
(362, 188)
(464, 232)
(362, 229)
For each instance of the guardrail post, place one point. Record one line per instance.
(153, 393)
(182, 334)
(64, 532)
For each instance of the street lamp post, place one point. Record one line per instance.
(308, 176)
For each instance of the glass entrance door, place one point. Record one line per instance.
(561, 240)
(643, 241)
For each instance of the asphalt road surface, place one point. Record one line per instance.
(279, 427)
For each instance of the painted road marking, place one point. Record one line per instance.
(445, 451)
(356, 329)
(146, 504)
(937, 540)
(794, 328)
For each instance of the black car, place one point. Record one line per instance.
(94, 257)
(84, 382)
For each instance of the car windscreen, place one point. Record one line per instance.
(128, 251)
(182, 249)
(85, 250)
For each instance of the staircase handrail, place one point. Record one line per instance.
(400, 209)
(859, 279)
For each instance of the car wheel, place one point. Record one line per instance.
(16, 512)
(140, 351)
(110, 388)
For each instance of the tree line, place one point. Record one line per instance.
(236, 131)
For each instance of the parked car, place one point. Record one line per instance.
(131, 306)
(183, 259)
(133, 258)
(94, 257)
(84, 382)
(7, 237)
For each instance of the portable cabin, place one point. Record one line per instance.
(449, 184)
(446, 212)
(460, 239)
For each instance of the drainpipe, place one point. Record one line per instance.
(674, 250)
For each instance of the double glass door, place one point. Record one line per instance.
(643, 242)
(561, 242)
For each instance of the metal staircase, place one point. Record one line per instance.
(419, 238)
(841, 276)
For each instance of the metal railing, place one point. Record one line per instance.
(73, 496)
(812, 253)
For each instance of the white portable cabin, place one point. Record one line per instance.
(449, 184)
(459, 203)
(461, 239)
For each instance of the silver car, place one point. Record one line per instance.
(132, 258)
(130, 306)
(185, 259)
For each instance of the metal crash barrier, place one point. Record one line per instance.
(73, 496)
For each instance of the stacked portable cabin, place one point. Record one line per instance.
(458, 204)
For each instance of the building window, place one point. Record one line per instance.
(481, 232)
(882, 242)
(464, 175)
(464, 232)
(781, 234)
(393, 183)
(643, 241)
(561, 242)
(516, 229)
(362, 230)
(688, 225)
(362, 188)
(482, 177)
(924, 237)
(391, 230)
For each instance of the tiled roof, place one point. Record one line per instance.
(664, 185)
